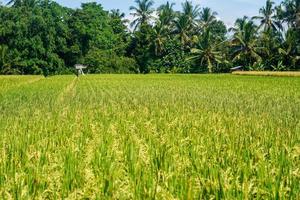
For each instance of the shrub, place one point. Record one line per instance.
(99, 61)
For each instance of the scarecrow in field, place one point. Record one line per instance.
(79, 68)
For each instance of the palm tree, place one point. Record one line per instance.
(183, 29)
(166, 14)
(288, 52)
(290, 13)
(244, 42)
(207, 17)
(163, 26)
(117, 14)
(186, 22)
(191, 11)
(239, 25)
(207, 52)
(142, 12)
(159, 37)
(268, 19)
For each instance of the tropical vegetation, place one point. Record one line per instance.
(43, 37)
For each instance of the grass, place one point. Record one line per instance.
(269, 73)
(150, 137)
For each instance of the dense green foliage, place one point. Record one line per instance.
(42, 37)
(149, 137)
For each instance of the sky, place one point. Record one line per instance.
(228, 10)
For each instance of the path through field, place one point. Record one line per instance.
(150, 137)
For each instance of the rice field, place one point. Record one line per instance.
(150, 137)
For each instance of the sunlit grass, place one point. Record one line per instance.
(150, 137)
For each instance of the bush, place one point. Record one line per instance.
(173, 60)
(100, 61)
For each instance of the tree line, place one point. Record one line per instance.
(43, 37)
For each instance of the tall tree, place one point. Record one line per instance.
(160, 35)
(190, 10)
(183, 29)
(90, 28)
(166, 14)
(142, 12)
(289, 12)
(26, 3)
(268, 18)
(207, 52)
(288, 53)
(40, 36)
(118, 15)
(239, 25)
(207, 17)
(119, 23)
(244, 43)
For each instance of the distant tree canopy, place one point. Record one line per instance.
(43, 37)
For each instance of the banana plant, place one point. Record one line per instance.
(279, 67)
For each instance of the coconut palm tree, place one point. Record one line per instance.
(163, 27)
(268, 18)
(286, 12)
(244, 42)
(160, 35)
(239, 25)
(288, 52)
(207, 52)
(290, 13)
(190, 10)
(298, 14)
(116, 13)
(185, 23)
(166, 14)
(142, 12)
(183, 29)
(207, 17)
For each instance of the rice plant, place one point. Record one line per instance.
(150, 137)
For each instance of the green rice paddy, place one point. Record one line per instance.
(150, 137)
